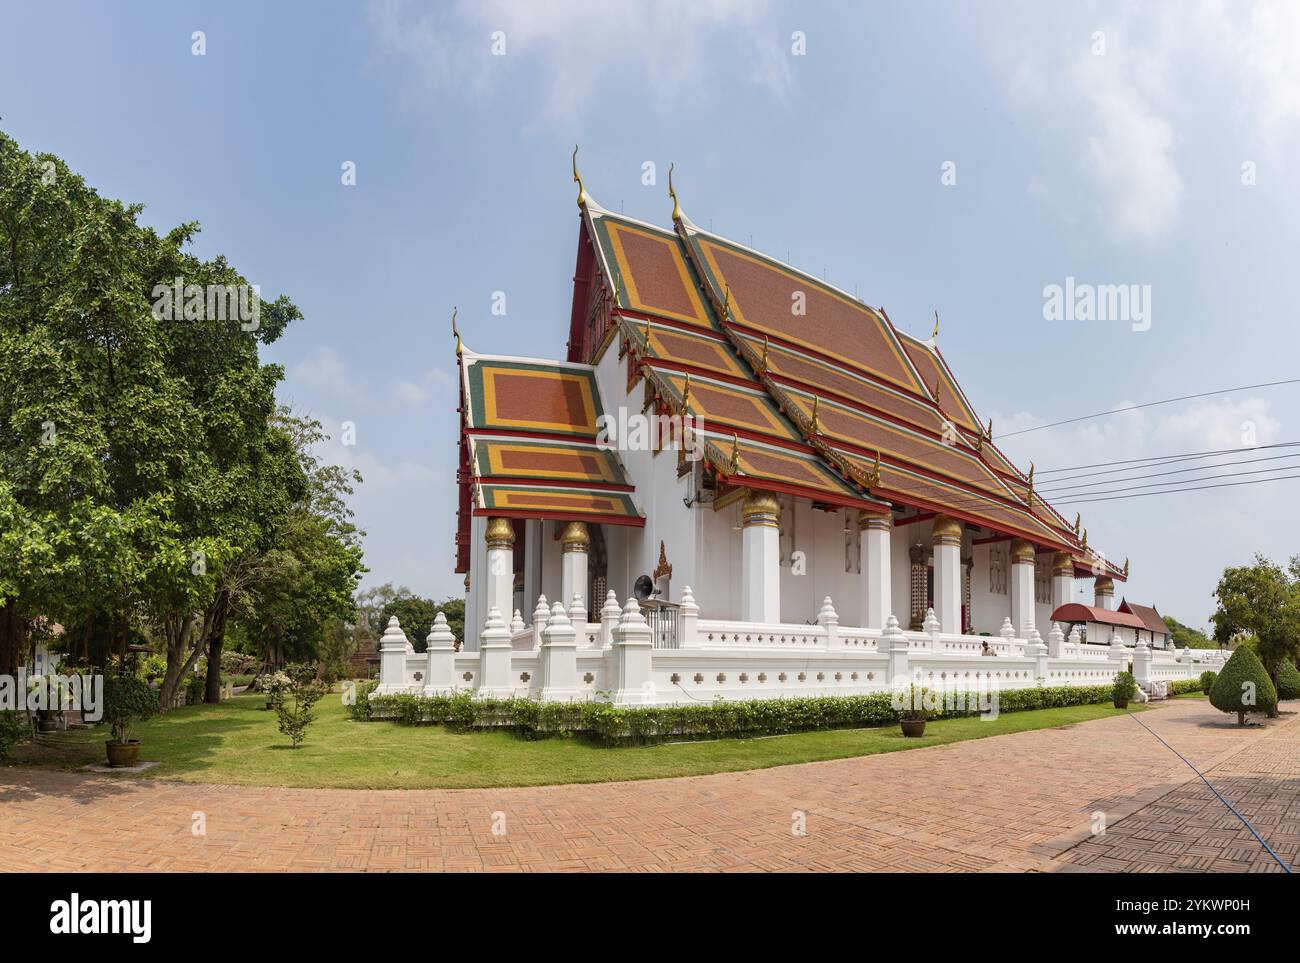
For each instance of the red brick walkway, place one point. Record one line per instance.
(1017, 802)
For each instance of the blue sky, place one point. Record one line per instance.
(1119, 161)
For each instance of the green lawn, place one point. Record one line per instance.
(237, 742)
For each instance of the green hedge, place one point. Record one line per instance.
(639, 725)
(1183, 686)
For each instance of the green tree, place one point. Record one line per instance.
(1243, 686)
(1185, 635)
(1263, 600)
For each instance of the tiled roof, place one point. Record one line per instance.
(530, 436)
(1149, 616)
(1078, 612)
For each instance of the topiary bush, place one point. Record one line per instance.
(127, 701)
(1288, 680)
(1207, 680)
(1124, 689)
(1243, 686)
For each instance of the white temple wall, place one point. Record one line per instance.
(720, 544)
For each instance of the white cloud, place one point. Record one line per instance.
(581, 44)
(322, 368)
(409, 393)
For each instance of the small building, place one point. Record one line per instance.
(1161, 636)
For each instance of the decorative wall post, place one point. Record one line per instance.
(440, 658)
(500, 538)
(829, 620)
(1022, 587)
(1008, 631)
(874, 536)
(760, 576)
(688, 615)
(946, 536)
(559, 658)
(633, 678)
(1142, 662)
(1062, 579)
(932, 627)
(609, 615)
(1075, 639)
(541, 615)
(1103, 593)
(516, 624)
(574, 544)
(494, 651)
(893, 645)
(1036, 650)
(1056, 642)
(393, 647)
(578, 613)
(1118, 655)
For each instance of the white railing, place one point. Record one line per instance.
(617, 658)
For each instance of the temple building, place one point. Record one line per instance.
(800, 448)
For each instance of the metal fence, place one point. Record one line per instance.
(663, 619)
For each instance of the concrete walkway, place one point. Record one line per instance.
(1026, 801)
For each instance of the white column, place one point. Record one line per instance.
(559, 658)
(1103, 593)
(393, 647)
(500, 581)
(494, 681)
(440, 656)
(574, 544)
(876, 531)
(946, 536)
(760, 559)
(1062, 579)
(633, 678)
(1022, 587)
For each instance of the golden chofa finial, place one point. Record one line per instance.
(1126, 569)
(990, 434)
(873, 480)
(454, 333)
(734, 467)
(1030, 496)
(577, 179)
(1084, 543)
(816, 418)
(672, 192)
(686, 395)
(935, 333)
(726, 303)
(1078, 519)
(762, 362)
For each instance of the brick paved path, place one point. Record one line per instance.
(1015, 802)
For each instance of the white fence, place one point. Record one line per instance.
(559, 658)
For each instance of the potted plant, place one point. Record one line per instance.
(1124, 689)
(274, 685)
(127, 701)
(913, 713)
(54, 696)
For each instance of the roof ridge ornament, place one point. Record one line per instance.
(873, 480)
(1078, 518)
(577, 179)
(686, 395)
(1084, 544)
(1029, 497)
(726, 302)
(672, 192)
(1126, 568)
(816, 427)
(455, 333)
(734, 467)
(934, 335)
(762, 363)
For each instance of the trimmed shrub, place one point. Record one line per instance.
(640, 725)
(1124, 688)
(1288, 680)
(1207, 680)
(359, 709)
(1243, 686)
(1183, 686)
(13, 728)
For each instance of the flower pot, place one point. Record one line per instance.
(47, 721)
(123, 753)
(913, 728)
(1121, 703)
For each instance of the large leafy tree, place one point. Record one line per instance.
(144, 480)
(1262, 600)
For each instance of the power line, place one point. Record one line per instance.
(1177, 471)
(1161, 459)
(1170, 491)
(1151, 404)
(1231, 474)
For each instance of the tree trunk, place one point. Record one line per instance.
(216, 642)
(177, 632)
(9, 638)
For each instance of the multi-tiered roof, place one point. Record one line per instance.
(801, 388)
